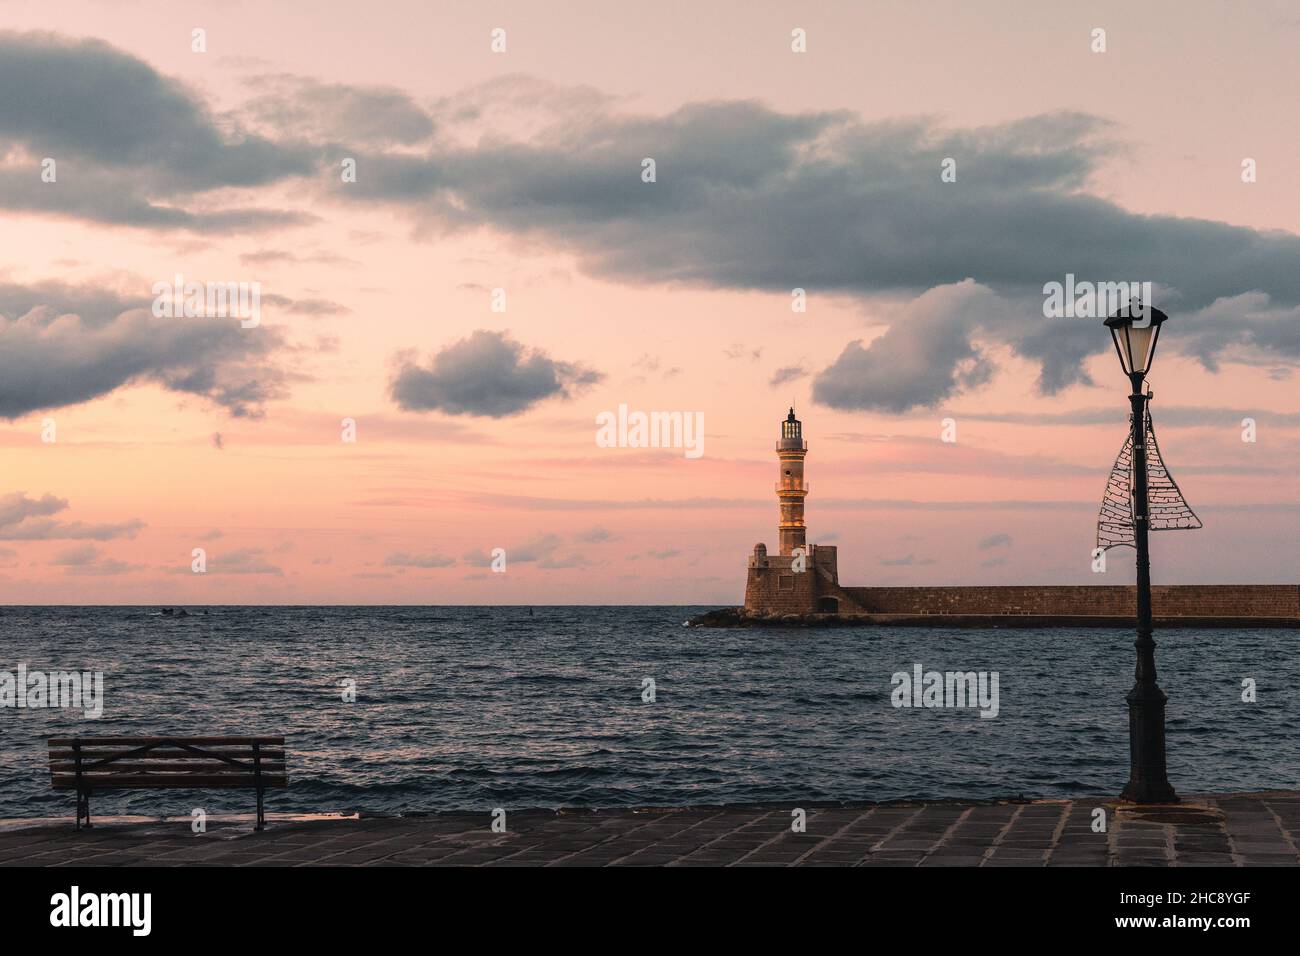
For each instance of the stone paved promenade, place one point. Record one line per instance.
(1233, 830)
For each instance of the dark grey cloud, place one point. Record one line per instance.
(111, 198)
(746, 197)
(30, 519)
(61, 345)
(750, 198)
(95, 304)
(488, 373)
(934, 350)
(927, 355)
(1250, 327)
(132, 146)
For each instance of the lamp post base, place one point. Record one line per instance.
(1149, 791)
(1148, 781)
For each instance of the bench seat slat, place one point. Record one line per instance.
(148, 781)
(180, 766)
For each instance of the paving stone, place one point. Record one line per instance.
(1241, 829)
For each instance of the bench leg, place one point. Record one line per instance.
(83, 808)
(261, 817)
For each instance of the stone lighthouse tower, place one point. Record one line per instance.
(790, 487)
(786, 583)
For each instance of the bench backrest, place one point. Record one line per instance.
(106, 763)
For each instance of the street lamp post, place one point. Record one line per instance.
(1135, 332)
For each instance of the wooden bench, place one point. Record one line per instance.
(86, 764)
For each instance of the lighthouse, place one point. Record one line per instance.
(787, 583)
(790, 487)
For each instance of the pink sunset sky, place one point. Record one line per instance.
(522, 170)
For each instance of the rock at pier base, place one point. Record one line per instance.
(739, 617)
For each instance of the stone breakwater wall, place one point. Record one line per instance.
(1198, 605)
(1169, 600)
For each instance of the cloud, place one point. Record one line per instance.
(1166, 416)
(336, 111)
(739, 351)
(62, 345)
(1249, 328)
(242, 561)
(90, 560)
(909, 560)
(751, 198)
(653, 364)
(29, 519)
(789, 373)
(534, 549)
(747, 198)
(274, 257)
(540, 550)
(488, 374)
(402, 559)
(142, 144)
(81, 554)
(596, 535)
(910, 455)
(536, 503)
(305, 306)
(927, 355)
(1000, 540)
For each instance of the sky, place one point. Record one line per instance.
(499, 272)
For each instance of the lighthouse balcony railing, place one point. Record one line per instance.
(791, 444)
(792, 487)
